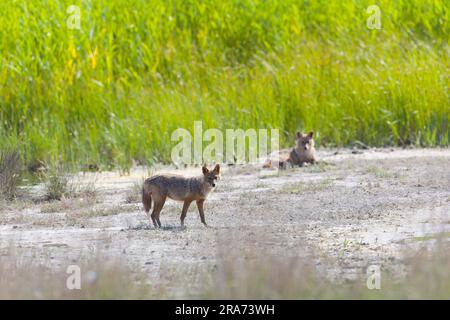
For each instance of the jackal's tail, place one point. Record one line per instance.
(146, 199)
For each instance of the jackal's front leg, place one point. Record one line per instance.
(186, 205)
(200, 211)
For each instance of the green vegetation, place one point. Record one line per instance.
(60, 184)
(114, 90)
(57, 185)
(10, 173)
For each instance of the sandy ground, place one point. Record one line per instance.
(355, 208)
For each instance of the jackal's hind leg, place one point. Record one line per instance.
(155, 214)
(157, 210)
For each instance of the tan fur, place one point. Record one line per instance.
(278, 159)
(180, 188)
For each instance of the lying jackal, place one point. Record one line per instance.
(180, 188)
(303, 152)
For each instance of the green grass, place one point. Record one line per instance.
(10, 173)
(116, 89)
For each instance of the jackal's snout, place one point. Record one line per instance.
(305, 141)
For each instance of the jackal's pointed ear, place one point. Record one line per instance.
(205, 170)
(310, 134)
(217, 169)
(298, 135)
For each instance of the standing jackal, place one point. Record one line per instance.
(180, 188)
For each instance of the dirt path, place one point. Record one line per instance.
(357, 209)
